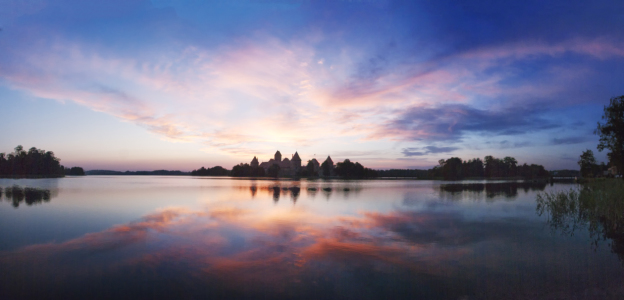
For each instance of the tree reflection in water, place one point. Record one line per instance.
(30, 196)
(295, 191)
(597, 206)
(493, 189)
(253, 189)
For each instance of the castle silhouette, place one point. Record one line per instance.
(292, 166)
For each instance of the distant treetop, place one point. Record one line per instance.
(32, 163)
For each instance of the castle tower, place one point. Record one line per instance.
(278, 156)
(254, 162)
(296, 161)
(316, 164)
(330, 163)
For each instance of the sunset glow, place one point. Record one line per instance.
(128, 85)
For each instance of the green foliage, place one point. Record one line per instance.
(597, 205)
(612, 132)
(214, 171)
(32, 163)
(348, 169)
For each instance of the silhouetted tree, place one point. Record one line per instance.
(473, 168)
(75, 171)
(310, 169)
(510, 166)
(348, 169)
(31, 163)
(257, 172)
(214, 171)
(612, 132)
(326, 167)
(273, 170)
(491, 166)
(587, 162)
(451, 168)
(454, 168)
(245, 170)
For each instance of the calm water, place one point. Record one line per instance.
(101, 237)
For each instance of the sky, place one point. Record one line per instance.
(145, 85)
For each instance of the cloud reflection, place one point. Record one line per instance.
(227, 251)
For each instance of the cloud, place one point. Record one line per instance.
(450, 122)
(427, 150)
(447, 229)
(512, 145)
(252, 88)
(568, 140)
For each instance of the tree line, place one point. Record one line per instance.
(455, 168)
(74, 171)
(491, 167)
(214, 171)
(33, 163)
(346, 169)
(137, 173)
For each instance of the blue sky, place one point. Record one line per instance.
(131, 85)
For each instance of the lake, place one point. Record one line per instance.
(152, 237)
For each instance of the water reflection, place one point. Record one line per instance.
(492, 191)
(596, 207)
(294, 255)
(290, 256)
(371, 247)
(254, 190)
(294, 191)
(31, 196)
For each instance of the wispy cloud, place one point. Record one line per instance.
(513, 145)
(451, 122)
(427, 150)
(569, 140)
(254, 87)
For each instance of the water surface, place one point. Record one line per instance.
(139, 237)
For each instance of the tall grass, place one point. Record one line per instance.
(597, 205)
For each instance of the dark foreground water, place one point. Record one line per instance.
(101, 237)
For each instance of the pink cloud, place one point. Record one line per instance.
(248, 96)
